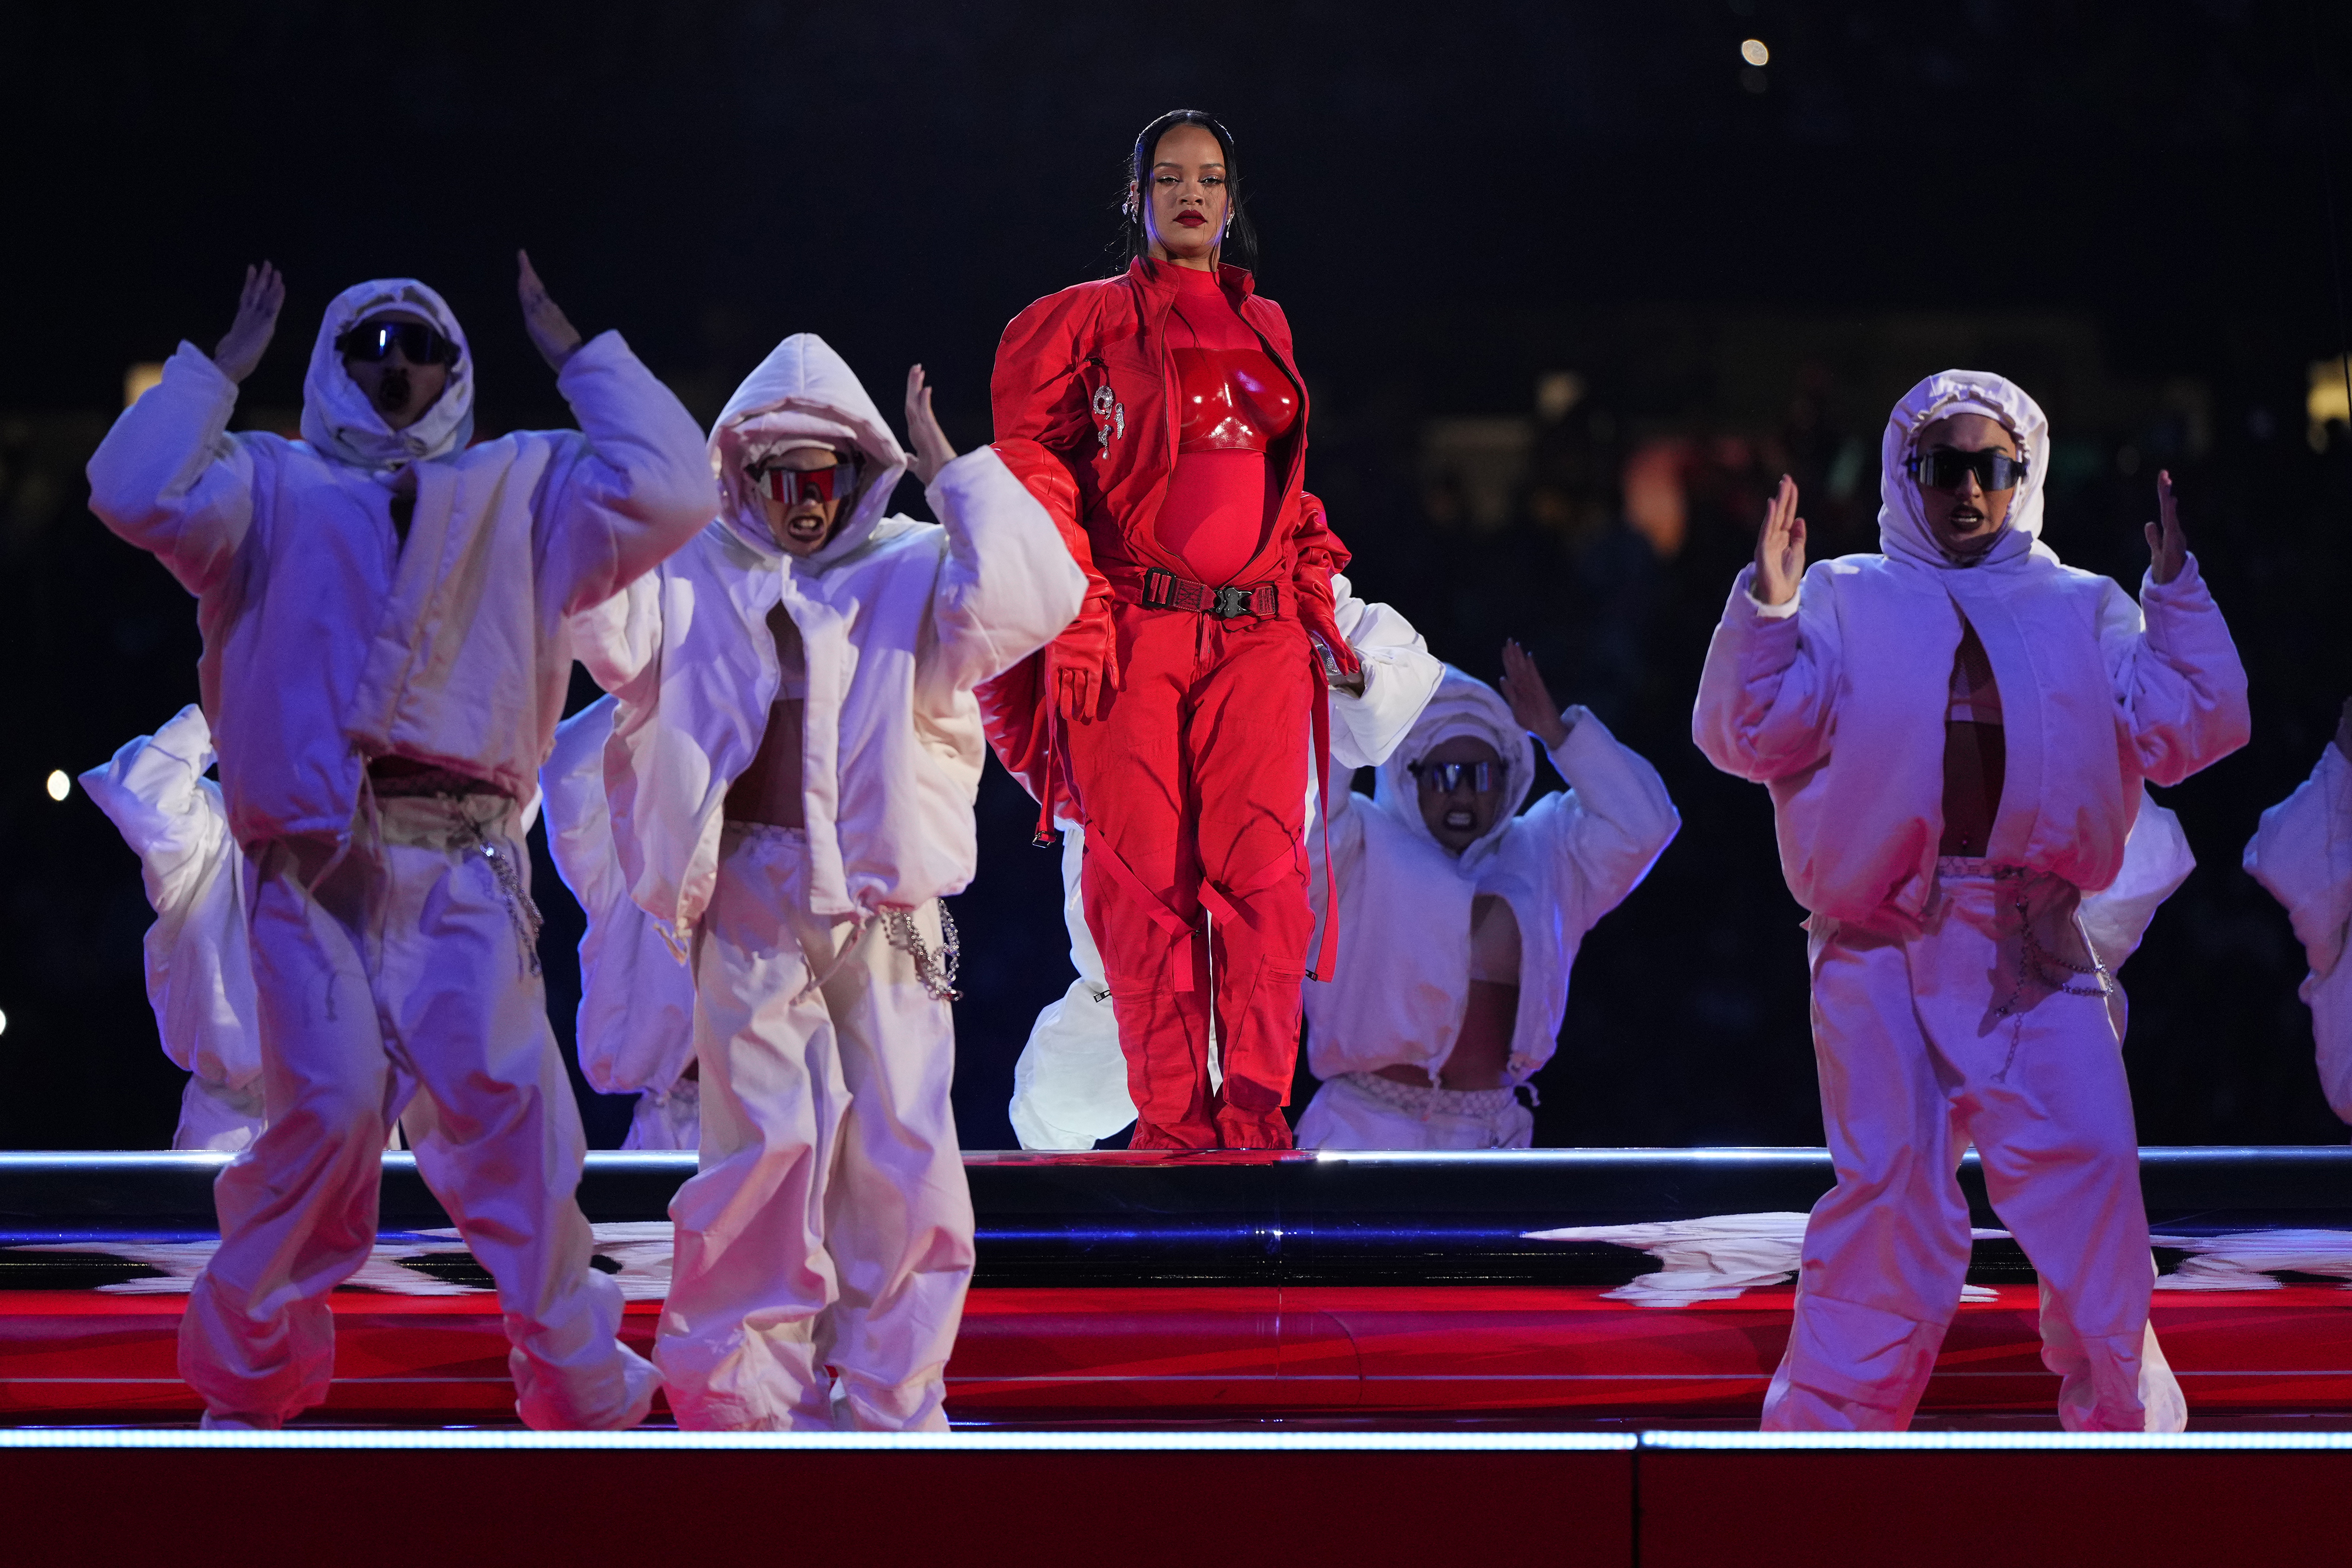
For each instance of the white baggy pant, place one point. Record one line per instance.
(1365, 1110)
(217, 1116)
(407, 965)
(1986, 1028)
(829, 1224)
(1070, 1083)
(667, 1119)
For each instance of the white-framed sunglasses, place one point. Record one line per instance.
(1446, 777)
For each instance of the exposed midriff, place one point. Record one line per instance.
(1481, 1057)
(1976, 752)
(769, 790)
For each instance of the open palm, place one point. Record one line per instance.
(257, 305)
(1781, 547)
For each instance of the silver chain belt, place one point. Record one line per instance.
(520, 910)
(937, 971)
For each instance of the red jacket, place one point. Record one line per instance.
(1085, 402)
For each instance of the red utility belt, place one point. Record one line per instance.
(1166, 591)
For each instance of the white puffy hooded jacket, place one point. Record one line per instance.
(898, 621)
(1837, 700)
(2302, 853)
(1403, 976)
(636, 1023)
(327, 641)
(199, 974)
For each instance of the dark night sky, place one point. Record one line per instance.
(1454, 199)
(709, 176)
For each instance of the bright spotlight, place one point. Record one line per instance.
(1754, 52)
(60, 786)
(4, 1023)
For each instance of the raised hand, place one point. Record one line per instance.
(1530, 698)
(2168, 547)
(551, 333)
(933, 452)
(1781, 547)
(256, 323)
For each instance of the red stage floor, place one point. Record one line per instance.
(1566, 1356)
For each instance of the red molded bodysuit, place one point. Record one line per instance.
(1176, 428)
(1233, 405)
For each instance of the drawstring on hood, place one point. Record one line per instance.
(1461, 706)
(337, 417)
(1903, 529)
(803, 394)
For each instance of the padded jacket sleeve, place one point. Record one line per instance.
(1611, 826)
(1008, 584)
(641, 487)
(1766, 697)
(1400, 676)
(2177, 677)
(1035, 390)
(170, 478)
(2302, 853)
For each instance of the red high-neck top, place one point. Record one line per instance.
(1234, 409)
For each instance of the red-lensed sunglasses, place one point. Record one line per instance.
(790, 487)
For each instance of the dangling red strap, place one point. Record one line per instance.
(1051, 792)
(1161, 915)
(1327, 952)
(1220, 899)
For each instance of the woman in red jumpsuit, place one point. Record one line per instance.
(1162, 417)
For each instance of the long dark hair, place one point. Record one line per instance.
(1240, 244)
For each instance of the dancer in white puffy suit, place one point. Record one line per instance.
(1955, 733)
(199, 977)
(2302, 854)
(386, 657)
(1069, 1084)
(1462, 916)
(794, 756)
(635, 1027)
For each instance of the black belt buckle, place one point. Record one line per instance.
(1233, 602)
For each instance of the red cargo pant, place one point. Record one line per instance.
(1193, 787)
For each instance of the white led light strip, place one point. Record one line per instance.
(1931, 1442)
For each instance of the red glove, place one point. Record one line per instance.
(1319, 554)
(1082, 663)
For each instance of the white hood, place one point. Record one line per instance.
(337, 417)
(1903, 526)
(803, 390)
(1460, 706)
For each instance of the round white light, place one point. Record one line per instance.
(1754, 52)
(4, 1023)
(60, 786)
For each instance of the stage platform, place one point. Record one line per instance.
(1659, 1500)
(1592, 1288)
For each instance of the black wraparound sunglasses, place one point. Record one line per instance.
(1944, 469)
(375, 341)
